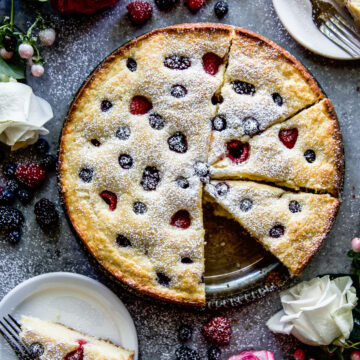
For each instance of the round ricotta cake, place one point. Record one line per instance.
(194, 113)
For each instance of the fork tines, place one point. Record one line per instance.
(338, 31)
(10, 330)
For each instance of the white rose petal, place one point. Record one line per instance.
(317, 312)
(22, 115)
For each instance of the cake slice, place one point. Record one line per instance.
(263, 85)
(53, 341)
(353, 6)
(302, 152)
(292, 226)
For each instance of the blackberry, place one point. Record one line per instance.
(46, 214)
(41, 146)
(25, 196)
(185, 331)
(243, 88)
(294, 206)
(150, 178)
(139, 208)
(131, 64)
(105, 105)
(13, 237)
(178, 143)
(156, 121)
(7, 197)
(221, 9)
(178, 91)
(177, 62)
(10, 219)
(9, 170)
(48, 162)
(12, 185)
(123, 133)
(213, 353)
(185, 353)
(165, 5)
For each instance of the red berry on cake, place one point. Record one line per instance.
(139, 11)
(140, 105)
(218, 330)
(194, 5)
(181, 219)
(110, 198)
(237, 151)
(211, 63)
(31, 175)
(288, 137)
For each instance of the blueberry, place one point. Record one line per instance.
(12, 185)
(126, 161)
(10, 219)
(251, 126)
(185, 353)
(7, 197)
(245, 205)
(310, 156)
(178, 143)
(36, 350)
(185, 332)
(221, 9)
(186, 260)
(150, 178)
(277, 231)
(182, 182)
(131, 64)
(49, 162)
(294, 206)
(222, 188)
(177, 62)
(123, 133)
(219, 123)
(178, 91)
(278, 100)
(86, 174)
(25, 196)
(201, 169)
(41, 146)
(9, 169)
(46, 214)
(105, 105)
(156, 121)
(163, 279)
(123, 241)
(165, 5)
(95, 142)
(139, 208)
(9, 43)
(14, 236)
(213, 353)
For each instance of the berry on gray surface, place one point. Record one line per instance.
(12, 185)
(185, 332)
(41, 146)
(165, 5)
(46, 214)
(6, 197)
(185, 353)
(9, 169)
(213, 353)
(25, 196)
(221, 8)
(13, 237)
(10, 219)
(48, 162)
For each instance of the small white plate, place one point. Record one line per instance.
(74, 300)
(296, 17)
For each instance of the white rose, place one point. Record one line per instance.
(22, 115)
(317, 312)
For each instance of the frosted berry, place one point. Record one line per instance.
(86, 174)
(310, 156)
(123, 133)
(110, 199)
(277, 231)
(9, 43)
(46, 214)
(14, 236)
(131, 64)
(243, 88)
(126, 161)
(156, 121)
(201, 170)
(355, 244)
(251, 126)
(221, 9)
(41, 146)
(181, 219)
(178, 91)
(219, 123)
(31, 175)
(37, 70)
(245, 205)
(26, 51)
(10, 219)
(49, 162)
(182, 182)
(355, 355)
(237, 151)
(299, 354)
(77, 354)
(6, 197)
(150, 178)
(47, 36)
(36, 349)
(185, 353)
(6, 55)
(218, 331)
(105, 105)
(140, 105)
(185, 332)
(165, 5)
(139, 11)
(278, 100)
(288, 137)
(222, 188)
(178, 143)
(213, 353)
(294, 206)
(12, 185)
(25, 196)
(139, 208)
(194, 5)
(9, 169)
(211, 63)
(177, 62)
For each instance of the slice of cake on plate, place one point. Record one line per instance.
(53, 341)
(290, 225)
(303, 152)
(353, 6)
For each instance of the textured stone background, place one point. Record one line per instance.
(82, 43)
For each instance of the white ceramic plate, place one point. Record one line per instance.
(74, 300)
(296, 17)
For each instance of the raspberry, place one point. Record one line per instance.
(139, 11)
(194, 5)
(238, 152)
(211, 63)
(140, 105)
(181, 219)
(288, 137)
(31, 175)
(46, 214)
(110, 198)
(218, 330)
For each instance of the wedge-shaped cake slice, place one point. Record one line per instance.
(263, 85)
(290, 225)
(53, 341)
(353, 6)
(303, 152)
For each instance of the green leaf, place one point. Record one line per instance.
(14, 67)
